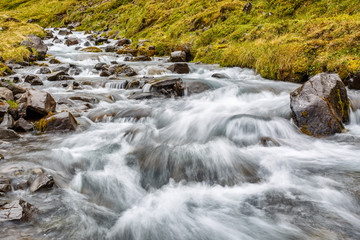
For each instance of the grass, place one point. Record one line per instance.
(287, 40)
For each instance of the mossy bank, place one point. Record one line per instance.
(285, 40)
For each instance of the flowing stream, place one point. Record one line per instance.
(227, 163)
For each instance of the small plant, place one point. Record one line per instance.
(13, 104)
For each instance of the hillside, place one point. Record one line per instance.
(282, 39)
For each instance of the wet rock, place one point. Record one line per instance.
(16, 89)
(54, 61)
(39, 104)
(248, 7)
(84, 99)
(42, 183)
(321, 105)
(100, 40)
(34, 80)
(128, 58)
(21, 125)
(17, 210)
(123, 41)
(64, 32)
(59, 76)
(71, 41)
(196, 87)
(122, 70)
(91, 49)
(7, 122)
(20, 184)
(37, 171)
(6, 94)
(178, 56)
(101, 66)
(110, 48)
(87, 44)
(167, 88)
(156, 70)
(4, 108)
(64, 67)
(63, 121)
(354, 82)
(5, 185)
(105, 73)
(75, 71)
(73, 25)
(269, 142)
(36, 42)
(142, 58)
(8, 134)
(179, 68)
(220, 75)
(141, 96)
(44, 70)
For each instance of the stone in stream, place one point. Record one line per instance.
(21, 125)
(63, 121)
(54, 61)
(17, 210)
(101, 66)
(122, 70)
(179, 68)
(6, 94)
(8, 134)
(64, 32)
(42, 183)
(321, 105)
(178, 56)
(71, 41)
(158, 88)
(123, 41)
(269, 142)
(39, 104)
(111, 48)
(142, 58)
(19, 184)
(36, 42)
(59, 76)
(105, 73)
(4, 108)
(16, 89)
(220, 75)
(91, 49)
(7, 122)
(63, 67)
(196, 87)
(5, 185)
(44, 70)
(34, 80)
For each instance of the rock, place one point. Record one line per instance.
(354, 82)
(42, 182)
(110, 48)
(54, 61)
(71, 41)
(75, 71)
(34, 80)
(5, 185)
(105, 73)
(247, 8)
(123, 42)
(21, 125)
(16, 89)
(142, 58)
(321, 105)
(141, 96)
(101, 66)
(152, 48)
(91, 49)
(156, 70)
(220, 75)
(39, 104)
(122, 70)
(63, 67)
(178, 56)
(17, 210)
(64, 32)
(63, 121)
(44, 70)
(59, 76)
(196, 87)
(20, 184)
(2, 157)
(6, 94)
(8, 134)
(269, 142)
(7, 122)
(87, 44)
(179, 68)
(36, 42)
(100, 40)
(4, 108)
(37, 171)
(73, 25)
(168, 88)
(84, 99)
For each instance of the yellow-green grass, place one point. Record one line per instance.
(281, 39)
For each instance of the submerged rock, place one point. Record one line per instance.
(17, 210)
(220, 75)
(321, 105)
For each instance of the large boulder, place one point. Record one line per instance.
(34, 80)
(21, 125)
(178, 56)
(179, 68)
(42, 182)
(36, 42)
(71, 41)
(17, 210)
(39, 104)
(63, 121)
(321, 105)
(8, 134)
(166, 87)
(6, 94)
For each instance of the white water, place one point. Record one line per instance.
(191, 168)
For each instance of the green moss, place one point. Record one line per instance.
(91, 49)
(12, 104)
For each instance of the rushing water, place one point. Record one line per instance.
(192, 168)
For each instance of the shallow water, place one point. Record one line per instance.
(187, 168)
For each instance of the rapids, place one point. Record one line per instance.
(191, 168)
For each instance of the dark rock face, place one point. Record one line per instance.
(63, 121)
(71, 41)
(321, 105)
(34, 80)
(39, 104)
(36, 42)
(42, 182)
(179, 68)
(21, 125)
(355, 82)
(178, 56)
(8, 134)
(17, 210)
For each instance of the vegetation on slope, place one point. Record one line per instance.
(282, 39)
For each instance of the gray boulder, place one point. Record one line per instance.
(44, 70)
(178, 56)
(36, 42)
(321, 105)
(71, 41)
(39, 104)
(21, 125)
(6, 94)
(17, 210)
(34, 80)
(8, 134)
(63, 121)
(42, 182)
(179, 68)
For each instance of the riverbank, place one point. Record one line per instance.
(282, 40)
